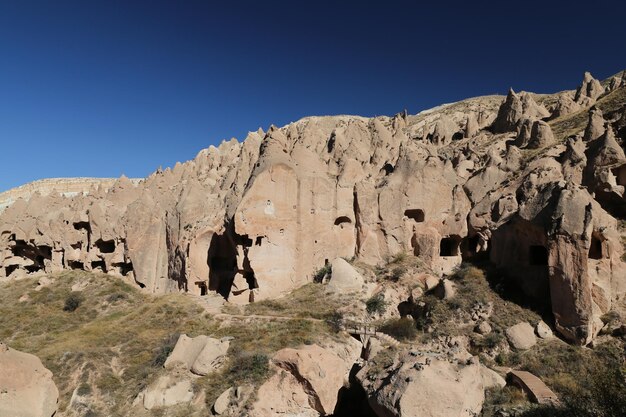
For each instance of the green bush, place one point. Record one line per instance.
(335, 321)
(164, 350)
(72, 302)
(401, 329)
(319, 275)
(376, 304)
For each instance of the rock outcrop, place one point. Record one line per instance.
(26, 386)
(254, 220)
(306, 381)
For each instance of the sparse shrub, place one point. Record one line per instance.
(396, 273)
(401, 329)
(164, 350)
(319, 275)
(398, 258)
(83, 389)
(116, 297)
(376, 304)
(72, 302)
(335, 321)
(249, 368)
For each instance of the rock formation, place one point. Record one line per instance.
(26, 386)
(254, 220)
(589, 91)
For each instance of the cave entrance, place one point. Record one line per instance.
(449, 246)
(415, 214)
(105, 246)
(222, 262)
(352, 400)
(339, 221)
(538, 255)
(202, 285)
(596, 247)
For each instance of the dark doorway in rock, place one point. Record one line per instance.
(457, 136)
(99, 266)
(595, 249)
(388, 168)
(105, 246)
(352, 400)
(341, 220)
(76, 265)
(222, 262)
(10, 269)
(202, 285)
(258, 241)
(124, 268)
(537, 255)
(415, 214)
(449, 246)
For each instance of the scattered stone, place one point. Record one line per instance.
(26, 386)
(201, 355)
(521, 336)
(543, 330)
(483, 328)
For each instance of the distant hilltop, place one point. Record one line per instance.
(68, 187)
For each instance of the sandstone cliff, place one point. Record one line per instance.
(255, 219)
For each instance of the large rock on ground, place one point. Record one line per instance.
(521, 336)
(425, 386)
(307, 380)
(344, 277)
(201, 355)
(26, 386)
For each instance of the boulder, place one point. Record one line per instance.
(26, 386)
(541, 135)
(344, 277)
(427, 386)
(595, 126)
(201, 355)
(307, 380)
(483, 328)
(521, 336)
(167, 391)
(589, 91)
(543, 330)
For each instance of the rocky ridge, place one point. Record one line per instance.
(536, 183)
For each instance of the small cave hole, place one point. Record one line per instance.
(124, 268)
(82, 226)
(415, 214)
(457, 136)
(595, 249)
(342, 219)
(99, 265)
(10, 269)
(258, 241)
(76, 265)
(105, 246)
(388, 168)
(449, 246)
(331, 143)
(537, 255)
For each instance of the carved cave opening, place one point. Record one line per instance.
(99, 266)
(415, 214)
(10, 269)
(596, 247)
(342, 220)
(222, 262)
(124, 268)
(449, 246)
(537, 255)
(76, 265)
(105, 246)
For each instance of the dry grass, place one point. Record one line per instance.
(114, 321)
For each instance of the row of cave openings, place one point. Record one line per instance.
(40, 256)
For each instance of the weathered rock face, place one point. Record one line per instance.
(306, 381)
(428, 384)
(26, 386)
(256, 219)
(589, 90)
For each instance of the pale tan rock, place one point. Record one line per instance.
(589, 91)
(344, 278)
(26, 386)
(201, 355)
(483, 328)
(167, 391)
(541, 135)
(307, 380)
(543, 330)
(595, 126)
(521, 336)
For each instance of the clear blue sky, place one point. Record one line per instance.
(110, 87)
